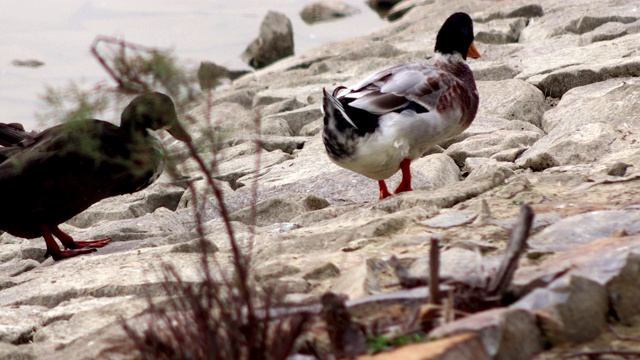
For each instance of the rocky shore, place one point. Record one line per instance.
(558, 128)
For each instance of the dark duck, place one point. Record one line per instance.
(377, 126)
(47, 178)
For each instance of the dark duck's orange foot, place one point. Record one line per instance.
(72, 248)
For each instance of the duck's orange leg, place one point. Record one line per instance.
(384, 192)
(405, 184)
(72, 248)
(69, 243)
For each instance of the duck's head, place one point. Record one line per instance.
(456, 36)
(153, 111)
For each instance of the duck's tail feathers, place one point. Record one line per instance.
(333, 110)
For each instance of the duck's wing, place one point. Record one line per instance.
(414, 86)
(14, 134)
(66, 140)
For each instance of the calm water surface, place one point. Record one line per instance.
(59, 33)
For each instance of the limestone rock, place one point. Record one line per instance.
(279, 209)
(274, 42)
(612, 101)
(326, 10)
(512, 11)
(581, 229)
(130, 206)
(487, 145)
(571, 310)
(500, 31)
(505, 333)
(572, 144)
(511, 99)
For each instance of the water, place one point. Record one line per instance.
(59, 33)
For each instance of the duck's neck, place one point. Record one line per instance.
(455, 64)
(133, 128)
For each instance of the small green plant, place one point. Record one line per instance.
(383, 343)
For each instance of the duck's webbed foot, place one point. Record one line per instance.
(72, 248)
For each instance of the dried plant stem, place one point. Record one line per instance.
(434, 272)
(517, 243)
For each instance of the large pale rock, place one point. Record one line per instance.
(434, 171)
(160, 223)
(18, 323)
(357, 282)
(505, 333)
(130, 206)
(572, 144)
(558, 69)
(487, 145)
(279, 209)
(500, 31)
(511, 99)
(80, 317)
(274, 42)
(56, 282)
(584, 228)
(486, 125)
(614, 101)
(510, 11)
(571, 18)
(611, 262)
(297, 119)
(326, 10)
(571, 310)
(231, 171)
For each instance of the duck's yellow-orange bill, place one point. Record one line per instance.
(473, 51)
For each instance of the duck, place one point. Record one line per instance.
(49, 177)
(379, 125)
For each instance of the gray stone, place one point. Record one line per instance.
(572, 144)
(612, 101)
(512, 11)
(571, 310)
(20, 322)
(586, 24)
(160, 223)
(275, 126)
(487, 145)
(492, 70)
(434, 171)
(357, 282)
(584, 228)
(279, 107)
(231, 171)
(326, 10)
(505, 333)
(322, 272)
(559, 70)
(274, 42)
(130, 206)
(500, 31)
(511, 99)
(279, 209)
(456, 264)
(297, 119)
(17, 352)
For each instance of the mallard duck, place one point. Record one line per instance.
(395, 115)
(47, 178)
